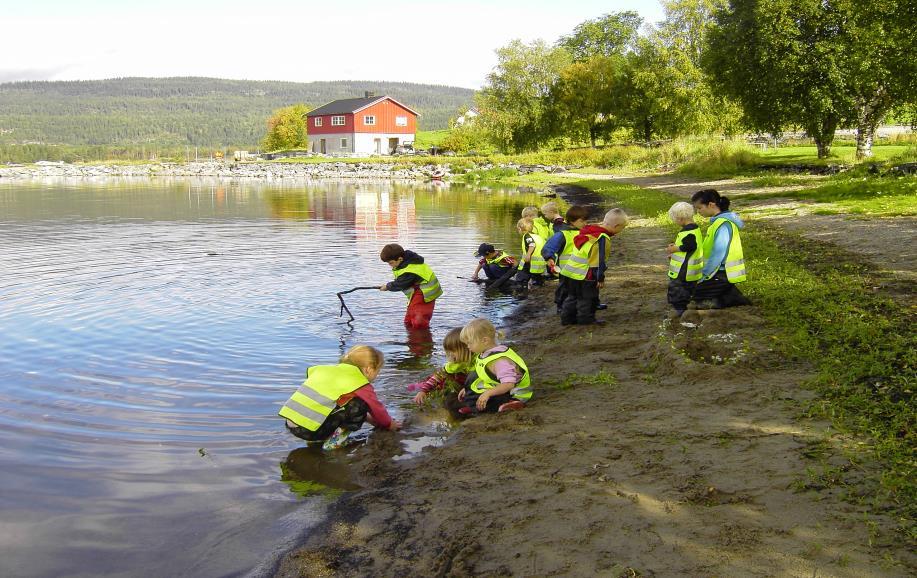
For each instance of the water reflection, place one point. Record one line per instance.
(144, 320)
(309, 470)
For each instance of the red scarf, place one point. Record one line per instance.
(587, 232)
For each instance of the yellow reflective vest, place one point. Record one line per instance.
(735, 258)
(317, 397)
(568, 248)
(542, 228)
(429, 285)
(695, 260)
(537, 264)
(484, 381)
(580, 260)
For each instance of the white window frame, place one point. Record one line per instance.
(318, 121)
(338, 121)
(343, 143)
(401, 121)
(369, 119)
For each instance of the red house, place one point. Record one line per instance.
(368, 125)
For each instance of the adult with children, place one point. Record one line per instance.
(501, 380)
(584, 268)
(416, 280)
(724, 260)
(335, 400)
(686, 257)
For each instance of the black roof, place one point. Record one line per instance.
(347, 105)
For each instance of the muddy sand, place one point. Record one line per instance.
(680, 452)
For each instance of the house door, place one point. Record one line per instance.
(323, 146)
(392, 145)
(378, 143)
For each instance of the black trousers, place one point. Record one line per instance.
(679, 293)
(719, 290)
(350, 416)
(580, 303)
(560, 294)
(493, 403)
(525, 274)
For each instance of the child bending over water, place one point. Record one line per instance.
(335, 400)
(451, 377)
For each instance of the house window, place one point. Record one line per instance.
(318, 121)
(343, 143)
(401, 121)
(369, 120)
(337, 121)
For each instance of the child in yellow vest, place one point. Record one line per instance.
(335, 400)
(451, 377)
(416, 280)
(501, 380)
(532, 266)
(686, 257)
(724, 259)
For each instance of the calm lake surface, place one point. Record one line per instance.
(151, 330)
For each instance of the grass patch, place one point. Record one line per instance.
(633, 199)
(425, 139)
(863, 346)
(576, 379)
(858, 195)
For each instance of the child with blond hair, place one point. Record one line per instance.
(451, 377)
(501, 380)
(335, 400)
(532, 265)
(686, 257)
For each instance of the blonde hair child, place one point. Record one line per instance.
(335, 400)
(529, 212)
(686, 257)
(451, 377)
(502, 381)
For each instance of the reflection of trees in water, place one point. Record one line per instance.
(310, 471)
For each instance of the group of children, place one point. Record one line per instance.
(485, 376)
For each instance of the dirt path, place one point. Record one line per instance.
(691, 463)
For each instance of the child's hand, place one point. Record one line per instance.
(461, 394)
(482, 401)
(418, 399)
(396, 425)
(671, 248)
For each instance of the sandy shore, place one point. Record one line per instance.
(653, 448)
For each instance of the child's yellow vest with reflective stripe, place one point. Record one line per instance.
(580, 260)
(537, 264)
(567, 250)
(496, 260)
(523, 389)
(695, 262)
(317, 397)
(735, 258)
(542, 228)
(430, 285)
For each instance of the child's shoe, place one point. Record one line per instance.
(337, 440)
(511, 406)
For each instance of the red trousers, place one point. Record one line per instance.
(419, 313)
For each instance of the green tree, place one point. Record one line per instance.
(287, 129)
(515, 99)
(661, 91)
(610, 34)
(587, 98)
(783, 61)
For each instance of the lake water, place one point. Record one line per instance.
(150, 331)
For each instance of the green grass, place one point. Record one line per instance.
(858, 194)
(576, 379)
(428, 138)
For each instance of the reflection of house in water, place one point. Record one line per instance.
(384, 213)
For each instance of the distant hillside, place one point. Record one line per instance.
(187, 111)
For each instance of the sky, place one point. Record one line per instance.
(445, 42)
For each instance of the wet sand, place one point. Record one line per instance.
(686, 456)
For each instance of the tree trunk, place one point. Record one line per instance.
(592, 135)
(869, 113)
(647, 130)
(822, 133)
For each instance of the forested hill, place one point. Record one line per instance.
(187, 111)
